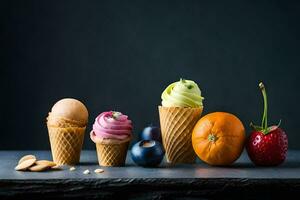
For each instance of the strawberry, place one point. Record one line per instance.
(267, 146)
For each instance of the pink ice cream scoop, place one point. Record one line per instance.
(112, 125)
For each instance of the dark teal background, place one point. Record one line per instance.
(120, 55)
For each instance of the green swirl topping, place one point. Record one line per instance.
(183, 93)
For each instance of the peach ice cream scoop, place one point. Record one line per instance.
(68, 113)
(70, 109)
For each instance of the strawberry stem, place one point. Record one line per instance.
(264, 122)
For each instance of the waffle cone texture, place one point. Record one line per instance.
(66, 138)
(111, 152)
(66, 144)
(176, 127)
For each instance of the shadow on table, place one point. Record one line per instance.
(239, 165)
(88, 163)
(285, 165)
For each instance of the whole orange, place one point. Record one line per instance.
(218, 138)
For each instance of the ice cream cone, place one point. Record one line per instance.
(177, 124)
(111, 152)
(66, 144)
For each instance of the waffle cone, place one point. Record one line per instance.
(66, 144)
(176, 127)
(111, 152)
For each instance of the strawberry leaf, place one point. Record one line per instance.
(255, 127)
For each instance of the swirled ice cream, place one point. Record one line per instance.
(112, 125)
(183, 93)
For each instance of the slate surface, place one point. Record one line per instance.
(242, 179)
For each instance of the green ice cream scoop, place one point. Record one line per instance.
(183, 93)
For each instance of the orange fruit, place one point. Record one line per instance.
(218, 138)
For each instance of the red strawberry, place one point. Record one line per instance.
(267, 145)
(269, 149)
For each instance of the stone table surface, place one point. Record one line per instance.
(242, 179)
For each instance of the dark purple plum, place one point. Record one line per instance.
(151, 133)
(147, 153)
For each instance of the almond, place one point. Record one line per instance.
(72, 169)
(98, 171)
